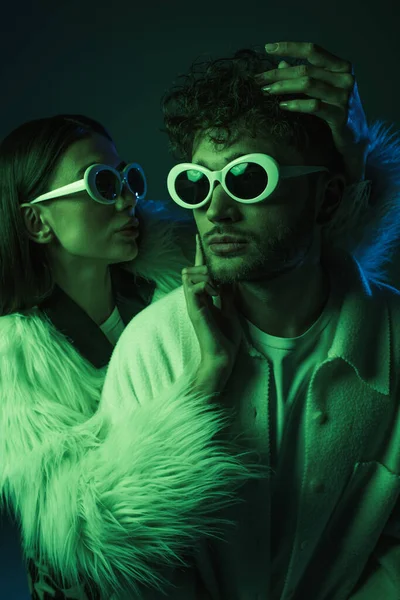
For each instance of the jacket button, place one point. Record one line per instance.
(320, 417)
(318, 487)
(304, 545)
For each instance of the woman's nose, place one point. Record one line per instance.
(127, 198)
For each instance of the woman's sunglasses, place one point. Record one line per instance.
(104, 184)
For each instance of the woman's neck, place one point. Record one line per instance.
(90, 288)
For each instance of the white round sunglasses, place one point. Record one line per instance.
(248, 179)
(104, 184)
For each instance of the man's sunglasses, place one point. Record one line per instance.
(248, 179)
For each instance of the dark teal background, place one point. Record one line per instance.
(113, 61)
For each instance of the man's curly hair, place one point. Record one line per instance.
(223, 96)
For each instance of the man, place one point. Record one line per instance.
(315, 387)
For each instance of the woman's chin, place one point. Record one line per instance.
(125, 256)
(132, 253)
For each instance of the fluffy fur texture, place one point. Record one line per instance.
(167, 244)
(109, 501)
(375, 218)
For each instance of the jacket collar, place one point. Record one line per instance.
(362, 338)
(132, 294)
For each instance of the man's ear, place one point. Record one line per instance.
(329, 194)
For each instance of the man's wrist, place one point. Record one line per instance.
(212, 377)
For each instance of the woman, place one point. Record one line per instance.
(70, 282)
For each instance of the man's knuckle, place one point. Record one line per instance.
(342, 117)
(349, 80)
(348, 66)
(272, 74)
(346, 98)
(303, 70)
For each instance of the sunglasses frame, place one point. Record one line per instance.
(272, 167)
(88, 183)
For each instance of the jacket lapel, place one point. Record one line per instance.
(132, 294)
(347, 403)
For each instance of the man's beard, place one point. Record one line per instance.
(274, 256)
(288, 250)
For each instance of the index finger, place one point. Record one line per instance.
(314, 54)
(199, 259)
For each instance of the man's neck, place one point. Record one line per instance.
(288, 305)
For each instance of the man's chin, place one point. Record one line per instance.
(239, 267)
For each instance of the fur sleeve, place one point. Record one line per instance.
(113, 501)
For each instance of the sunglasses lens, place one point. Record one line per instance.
(192, 186)
(247, 180)
(107, 185)
(136, 181)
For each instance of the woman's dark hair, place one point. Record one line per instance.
(28, 158)
(224, 96)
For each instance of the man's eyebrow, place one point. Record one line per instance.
(82, 170)
(228, 159)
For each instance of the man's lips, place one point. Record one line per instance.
(225, 239)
